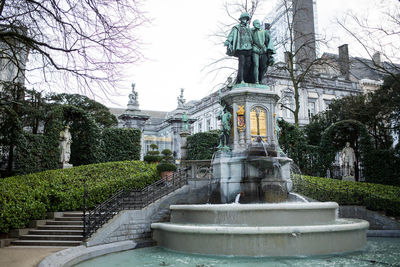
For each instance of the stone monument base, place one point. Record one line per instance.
(348, 178)
(66, 165)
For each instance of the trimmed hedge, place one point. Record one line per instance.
(201, 146)
(29, 197)
(373, 196)
(37, 152)
(121, 144)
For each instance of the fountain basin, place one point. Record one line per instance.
(273, 214)
(284, 229)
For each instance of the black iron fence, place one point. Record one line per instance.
(128, 199)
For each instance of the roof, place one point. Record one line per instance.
(363, 68)
(154, 114)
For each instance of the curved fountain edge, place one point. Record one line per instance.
(262, 206)
(71, 256)
(246, 230)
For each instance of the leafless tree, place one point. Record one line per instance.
(378, 38)
(299, 45)
(71, 43)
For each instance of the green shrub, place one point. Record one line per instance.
(166, 167)
(167, 162)
(373, 196)
(121, 144)
(152, 155)
(28, 197)
(36, 153)
(201, 146)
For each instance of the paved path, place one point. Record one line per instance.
(20, 256)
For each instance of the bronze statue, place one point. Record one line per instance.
(239, 44)
(262, 51)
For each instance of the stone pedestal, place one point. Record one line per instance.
(348, 178)
(65, 165)
(184, 136)
(252, 115)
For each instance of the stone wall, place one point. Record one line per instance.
(376, 220)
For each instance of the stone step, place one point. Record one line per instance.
(77, 219)
(73, 214)
(59, 243)
(64, 223)
(55, 232)
(52, 237)
(60, 227)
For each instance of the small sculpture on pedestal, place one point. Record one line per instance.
(348, 158)
(226, 118)
(133, 97)
(181, 100)
(65, 147)
(185, 122)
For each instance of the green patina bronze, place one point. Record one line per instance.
(185, 121)
(262, 51)
(254, 49)
(225, 118)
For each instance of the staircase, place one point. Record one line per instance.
(64, 231)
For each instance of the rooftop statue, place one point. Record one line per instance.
(133, 97)
(181, 100)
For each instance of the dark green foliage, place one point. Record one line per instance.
(384, 167)
(121, 144)
(152, 155)
(167, 153)
(100, 113)
(86, 136)
(373, 196)
(167, 162)
(166, 167)
(386, 99)
(201, 146)
(36, 152)
(28, 197)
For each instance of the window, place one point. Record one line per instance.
(311, 108)
(288, 102)
(209, 128)
(327, 103)
(200, 127)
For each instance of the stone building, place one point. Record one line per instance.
(340, 75)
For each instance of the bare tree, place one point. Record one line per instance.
(378, 38)
(82, 43)
(298, 43)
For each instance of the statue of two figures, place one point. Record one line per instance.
(65, 147)
(253, 48)
(347, 159)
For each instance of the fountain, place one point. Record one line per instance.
(251, 210)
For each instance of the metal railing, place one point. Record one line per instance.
(130, 199)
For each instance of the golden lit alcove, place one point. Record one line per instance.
(258, 123)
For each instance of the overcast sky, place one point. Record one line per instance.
(178, 47)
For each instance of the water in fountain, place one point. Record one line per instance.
(266, 223)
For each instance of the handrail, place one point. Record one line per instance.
(129, 199)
